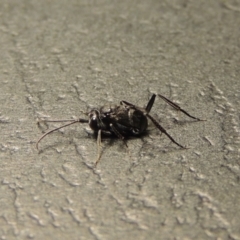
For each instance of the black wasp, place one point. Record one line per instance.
(122, 121)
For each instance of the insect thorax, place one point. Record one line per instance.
(126, 120)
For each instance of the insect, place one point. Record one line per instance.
(122, 121)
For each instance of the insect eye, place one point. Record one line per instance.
(93, 120)
(92, 115)
(93, 123)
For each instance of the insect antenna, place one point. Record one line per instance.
(80, 120)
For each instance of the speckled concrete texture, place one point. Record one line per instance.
(61, 58)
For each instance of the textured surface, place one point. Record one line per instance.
(60, 58)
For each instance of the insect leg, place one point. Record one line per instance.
(99, 147)
(55, 129)
(127, 103)
(150, 103)
(178, 108)
(163, 130)
(148, 107)
(118, 134)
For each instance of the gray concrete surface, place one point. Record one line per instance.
(60, 58)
